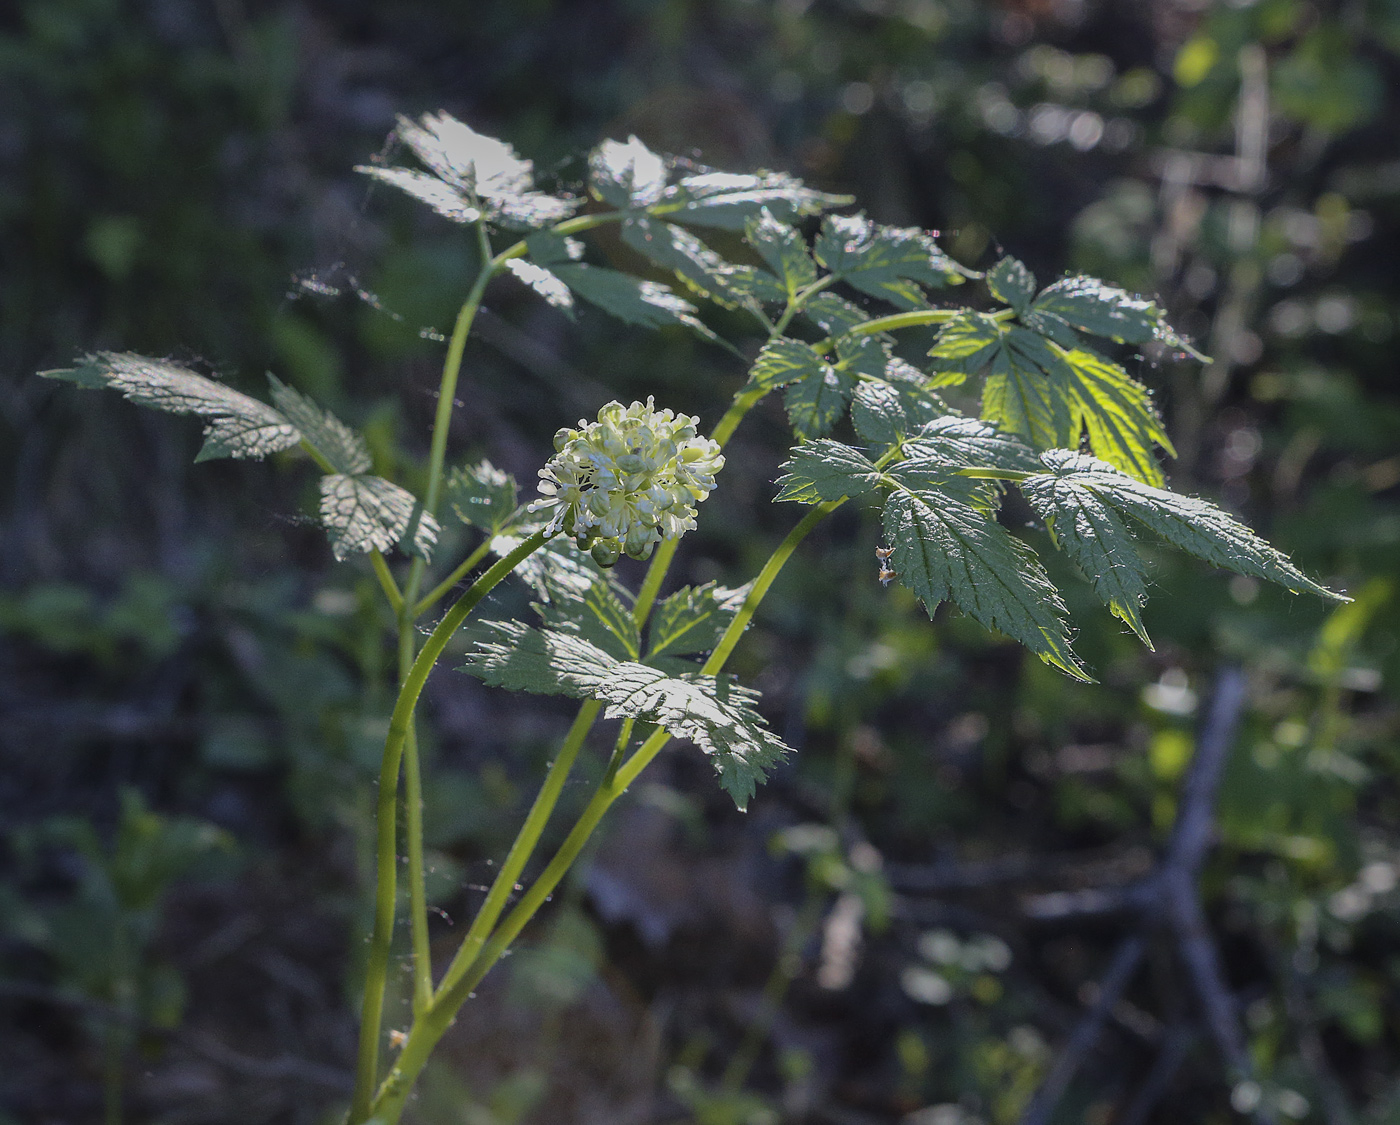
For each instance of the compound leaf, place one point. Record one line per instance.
(236, 425)
(692, 620)
(944, 549)
(885, 412)
(969, 443)
(362, 512)
(1196, 526)
(341, 446)
(826, 470)
(482, 495)
(1027, 390)
(965, 345)
(716, 715)
(886, 262)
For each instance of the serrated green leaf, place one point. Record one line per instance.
(558, 561)
(886, 412)
(1194, 525)
(728, 200)
(361, 512)
(834, 315)
(346, 450)
(1091, 306)
(969, 443)
(886, 262)
(692, 620)
(1117, 413)
(482, 495)
(965, 345)
(676, 249)
(546, 248)
(627, 175)
(236, 425)
(866, 356)
(783, 249)
(824, 470)
(1091, 533)
(943, 549)
(633, 301)
(817, 403)
(1027, 390)
(548, 285)
(782, 361)
(716, 715)
(600, 611)
(1011, 283)
(474, 176)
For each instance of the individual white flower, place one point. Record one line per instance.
(624, 483)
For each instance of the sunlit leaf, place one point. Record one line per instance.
(818, 402)
(886, 262)
(627, 175)
(944, 549)
(783, 249)
(482, 495)
(692, 620)
(782, 361)
(333, 439)
(676, 249)
(236, 425)
(728, 200)
(826, 470)
(714, 714)
(1011, 283)
(1117, 413)
(632, 300)
(1091, 306)
(542, 281)
(367, 513)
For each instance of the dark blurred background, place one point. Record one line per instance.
(192, 697)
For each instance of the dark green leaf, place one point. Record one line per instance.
(834, 315)
(692, 620)
(728, 201)
(886, 412)
(784, 250)
(482, 495)
(817, 403)
(1091, 306)
(716, 715)
(627, 175)
(1117, 412)
(782, 361)
(826, 470)
(886, 262)
(646, 303)
(1089, 531)
(546, 247)
(1011, 283)
(236, 425)
(367, 513)
(968, 443)
(600, 611)
(676, 249)
(945, 549)
(1196, 526)
(863, 355)
(333, 439)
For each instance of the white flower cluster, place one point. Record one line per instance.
(627, 481)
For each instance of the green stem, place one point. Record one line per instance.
(443, 588)
(916, 319)
(386, 857)
(386, 581)
(525, 842)
(413, 839)
(433, 1024)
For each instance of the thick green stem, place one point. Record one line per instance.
(443, 588)
(433, 1024)
(413, 839)
(386, 852)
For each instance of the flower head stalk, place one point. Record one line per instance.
(624, 483)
